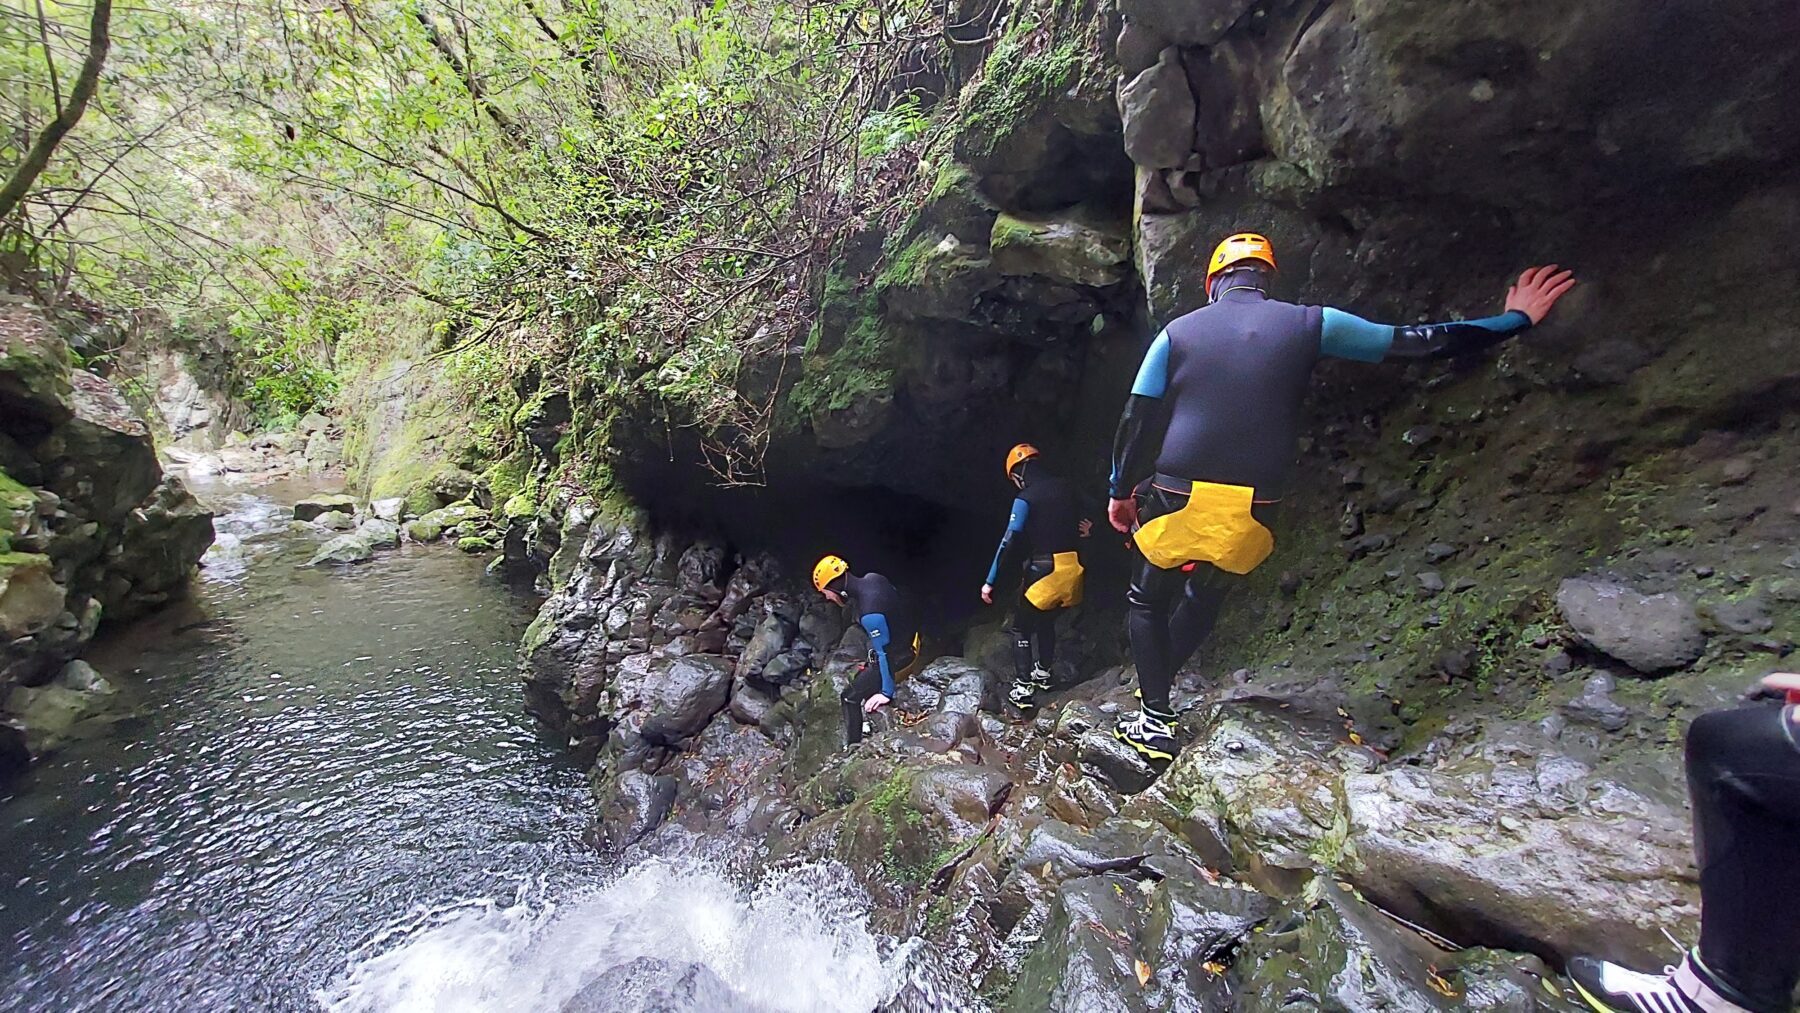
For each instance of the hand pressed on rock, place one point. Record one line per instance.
(874, 703)
(1123, 514)
(1538, 289)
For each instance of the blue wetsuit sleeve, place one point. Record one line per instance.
(1014, 525)
(1153, 373)
(1131, 443)
(1347, 336)
(879, 638)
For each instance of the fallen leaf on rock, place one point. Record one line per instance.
(1143, 973)
(1214, 968)
(1439, 985)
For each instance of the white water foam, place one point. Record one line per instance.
(665, 935)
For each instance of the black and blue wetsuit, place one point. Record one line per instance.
(1218, 399)
(1044, 522)
(878, 607)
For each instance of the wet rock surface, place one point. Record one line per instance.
(90, 527)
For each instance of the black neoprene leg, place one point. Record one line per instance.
(866, 684)
(1151, 603)
(1744, 776)
(1194, 616)
(1044, 637)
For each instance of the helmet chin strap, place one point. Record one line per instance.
(1249, 279)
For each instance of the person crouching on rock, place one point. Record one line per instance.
(1210, 432)
(1043, 532)
(872, 602)
(1743, 770)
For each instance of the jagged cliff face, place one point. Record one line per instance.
(1501, 587)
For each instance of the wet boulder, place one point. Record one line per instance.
(311, 507)
(54, 713)
(1087, 959)
(1113, 763)
(1526, 852)
(333, 520)
(1595, 705)
(433, 525)
(1651, 633)
(1191, 922)
(770, 638)
(1341, 954)
(1275, 791)
(160, 541)
(382, 534)
(344, 549)
(670, 699)
(636, 805)
(30, 597)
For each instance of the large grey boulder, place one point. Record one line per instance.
(1511, 844)
(1651, 633)
(311, 507)
(30, 597)
(1158, 109)
(342, 550)
(1068, 249)
(432, 526)
(669, 699)
(1342, 954)
(391, 509)
(1079, 967)
(382, 534)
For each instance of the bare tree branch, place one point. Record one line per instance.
(99, 41)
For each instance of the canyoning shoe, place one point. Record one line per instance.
(1608, 988)
(1150, 734)
(1025, 689)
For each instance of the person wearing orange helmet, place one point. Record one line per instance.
(874, 603)
(1041, 538)
(1210, 432)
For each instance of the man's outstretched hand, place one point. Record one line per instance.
(1538, 289)
(1123, 515)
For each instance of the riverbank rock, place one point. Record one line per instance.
(1651, 633)
(432, 526)
(51, 715)
(89, 525)
(311, 507)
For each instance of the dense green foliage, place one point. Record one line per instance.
(606, 197)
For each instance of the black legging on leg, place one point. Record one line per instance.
(1165, 633)
(1033, 629)
(1743, 769)
(866, 684)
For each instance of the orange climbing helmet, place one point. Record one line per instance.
(1019, 455)
(827, 570)
(1237, 248)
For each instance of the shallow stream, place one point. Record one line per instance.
(326, 795)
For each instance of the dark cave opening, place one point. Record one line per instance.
(936, 552)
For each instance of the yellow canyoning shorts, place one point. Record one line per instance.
(1061, 587)
(1214, 527)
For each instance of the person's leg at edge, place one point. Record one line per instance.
(1045, 638)
(866, 684)
(1744, 778)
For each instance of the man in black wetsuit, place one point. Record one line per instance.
(1043, 531)
(1743, 770)
(873, 603)
(1209, 435)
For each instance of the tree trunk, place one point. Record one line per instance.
(99, 41)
